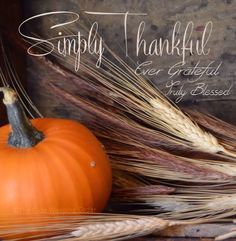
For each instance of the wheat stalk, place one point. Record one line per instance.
(217, 126)
(93, 227)
(208, 203)
(81, 226)
(158, 112)
(227, 235)
(231, 234)
(147, 103)
(185, 128)
(164, 114)
(9, 77)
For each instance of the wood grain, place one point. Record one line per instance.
(203, 232)
(161, 16)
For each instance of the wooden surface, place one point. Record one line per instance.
(197, 231)
(190, 233)
(161, 16)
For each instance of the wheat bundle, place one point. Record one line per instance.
(127, 147)
(140, 99)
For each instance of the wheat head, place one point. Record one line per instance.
(182, 126)
(120, 229)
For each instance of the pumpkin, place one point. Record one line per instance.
(49, 166)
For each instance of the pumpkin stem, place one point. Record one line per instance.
(23, 134)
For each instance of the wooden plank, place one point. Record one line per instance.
(200, 230)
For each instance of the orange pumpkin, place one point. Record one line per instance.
(49, 166)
